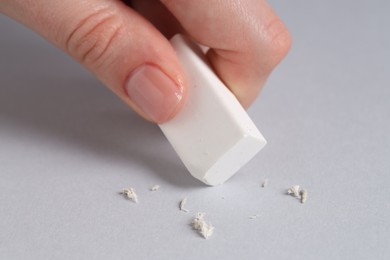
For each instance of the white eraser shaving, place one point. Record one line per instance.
(212, 134)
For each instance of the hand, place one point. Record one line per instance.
(127, 47)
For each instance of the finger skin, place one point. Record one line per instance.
(246, 37)
(112, 41)
(155, 12)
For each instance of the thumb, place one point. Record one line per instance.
(118, 45)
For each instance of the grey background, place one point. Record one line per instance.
(68, 146)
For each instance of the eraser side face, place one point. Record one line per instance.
(212, 134)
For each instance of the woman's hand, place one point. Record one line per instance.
(128, 50)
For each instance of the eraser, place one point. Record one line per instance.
(212, 134)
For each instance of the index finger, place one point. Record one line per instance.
(246, 39)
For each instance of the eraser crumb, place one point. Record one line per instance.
(253, 216)
(294, 191)
(155, 187)
(182, 205)
(205, 229)
(265, 183)
(130, 194)
(303, 194)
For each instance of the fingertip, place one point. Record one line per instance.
(241, 76)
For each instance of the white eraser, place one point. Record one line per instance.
(212, 134)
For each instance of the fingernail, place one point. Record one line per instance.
(154, 92)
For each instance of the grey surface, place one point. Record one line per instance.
(68, 146)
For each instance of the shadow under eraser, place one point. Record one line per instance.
(212, 134)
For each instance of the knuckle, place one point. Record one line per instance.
(92, 40)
